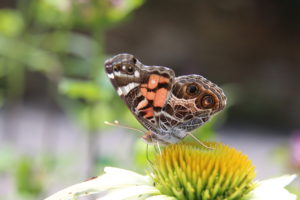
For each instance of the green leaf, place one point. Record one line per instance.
(27, 178)
(11, 22)
(53, 13)
(33, 57)
(93, 117)
(77, 89)
(123, 8)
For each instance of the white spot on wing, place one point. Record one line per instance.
(118, 73)
(119, 91)
(126, 89)
(137, 74)
(111, 76)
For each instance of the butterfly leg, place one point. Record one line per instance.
(201, 143)
(147, 155)
(158, 147)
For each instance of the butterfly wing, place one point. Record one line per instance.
(145, 89)
(192, 102)
(168, 107)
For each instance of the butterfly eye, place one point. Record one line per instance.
(207, 101)
(192, 89)
(130, 70)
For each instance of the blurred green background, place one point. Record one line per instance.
(54, 95)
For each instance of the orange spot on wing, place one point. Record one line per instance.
(142, 104)
(153, 81)
(144, 91)
(150, 95)
(164, 80)
(148, 112)
(160, 97)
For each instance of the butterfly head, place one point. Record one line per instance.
(124, 72)
(122, 65)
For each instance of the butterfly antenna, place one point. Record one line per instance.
(201, 143)
(117, 124)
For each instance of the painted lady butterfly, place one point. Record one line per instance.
(168, 107)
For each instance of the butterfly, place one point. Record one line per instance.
(169, 107)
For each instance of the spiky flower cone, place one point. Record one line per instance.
(188, 171)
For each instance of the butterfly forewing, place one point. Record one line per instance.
(145, 89)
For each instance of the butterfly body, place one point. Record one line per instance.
(167, 106)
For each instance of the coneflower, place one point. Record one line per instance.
(186, 171)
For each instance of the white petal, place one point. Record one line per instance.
(160, 197)
(130, 192)
(113, 178)
(274, 189)
(280, 181)
(122, 176)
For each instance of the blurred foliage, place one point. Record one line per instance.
(27, 178)
(31, 174)
(12, 23)
(43, 36)
(64, 41)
